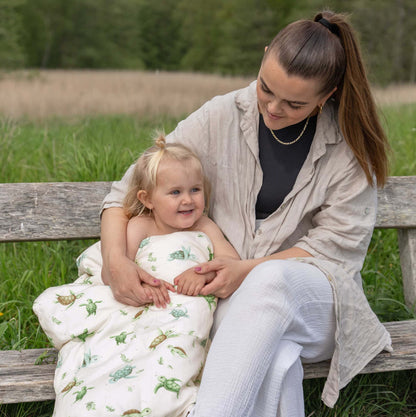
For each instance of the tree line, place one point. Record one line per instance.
(222, 36)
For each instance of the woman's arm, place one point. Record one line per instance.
(119, 272)
(230, 273)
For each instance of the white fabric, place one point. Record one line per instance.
(283, 311)
(115, 358)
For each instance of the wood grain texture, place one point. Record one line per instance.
(407, 246)
(22, 380)
(50, 211)
(397, 203)
(403, 335)
(57, 211)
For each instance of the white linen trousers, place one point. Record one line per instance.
(282, 313)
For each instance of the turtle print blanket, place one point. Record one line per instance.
(118, 360)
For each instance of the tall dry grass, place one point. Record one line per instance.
(37, 95)
(41, 94)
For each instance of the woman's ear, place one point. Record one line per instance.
(144, 197)
(328, 96)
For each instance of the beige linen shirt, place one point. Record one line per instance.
(330, 213)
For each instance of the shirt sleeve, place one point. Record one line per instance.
(343, 227)
(117, 192)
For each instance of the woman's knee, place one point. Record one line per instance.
(267, 277)
(288, 277)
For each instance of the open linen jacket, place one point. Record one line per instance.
(330, 213)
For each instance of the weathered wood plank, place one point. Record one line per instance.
(27, 375)
(56, 211)
(21, 380)
(407, 246)
(10, 358)
(403, 335)
(26, 383)
(396, 203)
(50, 211)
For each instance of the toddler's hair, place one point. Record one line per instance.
(145, 173)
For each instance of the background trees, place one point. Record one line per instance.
(224, 36)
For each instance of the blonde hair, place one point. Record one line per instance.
(307, 48)
(145, 173)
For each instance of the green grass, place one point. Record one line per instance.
(101, 148)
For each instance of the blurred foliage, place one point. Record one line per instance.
(223, 36)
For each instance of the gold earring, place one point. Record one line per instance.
(320, 108)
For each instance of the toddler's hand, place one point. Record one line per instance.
(159, 295)
(189, 282)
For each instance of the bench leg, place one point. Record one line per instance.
(407, 246)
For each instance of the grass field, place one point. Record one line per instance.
(100, 147)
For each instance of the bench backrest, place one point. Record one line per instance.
(70, 210)
(62, 211)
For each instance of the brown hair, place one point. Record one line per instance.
(329, 51)
(145, 173)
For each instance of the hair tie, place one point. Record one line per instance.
(160, 142)
(331, 26)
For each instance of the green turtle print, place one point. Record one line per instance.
(121, 338)
(179, 312)
(91, 306)
(83, 336)
(169, 385)
(119, 360)
(124, 372)
(79, 395)
(182, 254)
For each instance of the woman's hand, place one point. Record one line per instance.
(126, 278)
(230, 273)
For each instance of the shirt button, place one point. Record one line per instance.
(259, 232)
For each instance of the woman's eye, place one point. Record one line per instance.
(294, 106)
(265, 89)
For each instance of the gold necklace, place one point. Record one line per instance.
(295, 140)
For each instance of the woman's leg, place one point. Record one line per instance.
(279, 300)
(282, 387)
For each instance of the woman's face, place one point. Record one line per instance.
(285, 100)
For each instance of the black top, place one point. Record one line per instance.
(281, 163)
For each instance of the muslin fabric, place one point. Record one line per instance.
(284, 310)
(118, 360)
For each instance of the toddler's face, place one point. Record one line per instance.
(178, 199)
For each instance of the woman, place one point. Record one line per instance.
(294, 160)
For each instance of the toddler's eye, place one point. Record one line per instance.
(175, 192)
(196, 189)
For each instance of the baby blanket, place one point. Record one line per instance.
(118, 360)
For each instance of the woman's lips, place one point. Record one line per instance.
(273, 116)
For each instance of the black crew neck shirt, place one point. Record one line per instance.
(281, 163)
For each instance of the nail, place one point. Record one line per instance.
(198, 269)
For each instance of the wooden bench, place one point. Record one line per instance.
(63, 211)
